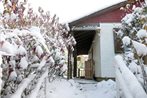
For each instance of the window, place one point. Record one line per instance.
(117, 42)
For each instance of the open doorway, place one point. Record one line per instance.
(84, 35)
(81, 59)
(84, 67)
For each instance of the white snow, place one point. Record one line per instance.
(12, 63)
(34, 92)
(22, 86)
(42, 63)
(35, 31)
(146, 40)
(141, 33)
(51, 61)
(145, 69)
(122, 88)
(35, 58)
(13, 76)
(0, 59)
(138, 10)
(39, 51)
(64, 68)
(76, 88)
(0, 72)
(126, 40)
(0, 78)
(62, 62)
(5, 54)
(131, 81)
(13, 16)
(134, 6)
(23, 63)
(130, 55)
(1, 7)
(128, 18)
(6, 16)
(8, 48)
(119, 33)
(141, 49)
(2, 37)
(21, 50)
(21, 32)
(133, 67)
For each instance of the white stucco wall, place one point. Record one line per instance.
(103, 50)
(96, 55)
(107, 49)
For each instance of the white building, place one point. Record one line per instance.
(95, 37)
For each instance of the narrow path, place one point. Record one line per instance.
(80, 89)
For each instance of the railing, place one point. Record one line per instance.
(127, 84)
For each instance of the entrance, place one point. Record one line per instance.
(81, 63)
(84, 36)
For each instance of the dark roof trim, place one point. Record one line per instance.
(97, 13)
(89, 26)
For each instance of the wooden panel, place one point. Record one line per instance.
(88, 69)
(117, 41)
(145, 60)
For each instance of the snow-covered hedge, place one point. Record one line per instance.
(133, 33)
(32, 46)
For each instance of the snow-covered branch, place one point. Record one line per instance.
(133, 32)
(23, 86)
(35, 91)
(129, 80)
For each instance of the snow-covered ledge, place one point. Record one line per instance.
(126, 81)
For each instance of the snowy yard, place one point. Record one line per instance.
(79, 89)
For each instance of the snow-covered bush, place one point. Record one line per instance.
(31, 46)
(134, 39)
(0, 72)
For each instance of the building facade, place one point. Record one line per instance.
(95, 37)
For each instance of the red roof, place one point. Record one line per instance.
(109, 14)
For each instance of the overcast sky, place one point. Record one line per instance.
(69, 10)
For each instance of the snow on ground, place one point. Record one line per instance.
(62, 88)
